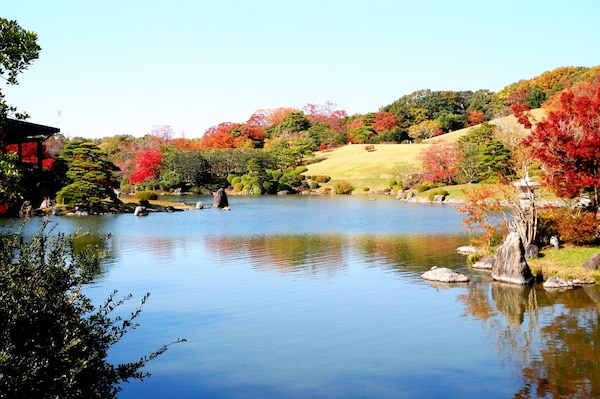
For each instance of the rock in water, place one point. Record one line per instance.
(510, 264)
(220, 199)
(557, 282)
(444, 275)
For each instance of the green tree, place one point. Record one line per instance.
(90, 177)
(471, 147)
(290, 152)
(53, 342)
(192, 167)
(535, 97)
(449, 122)
(295, 122)
(12, 176)
(494, 160)
(18, 49)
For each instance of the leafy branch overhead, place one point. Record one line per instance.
(18, 49)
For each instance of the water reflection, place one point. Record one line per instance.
(550, 338)
(331, 253)
(285, 253)
(275, 304)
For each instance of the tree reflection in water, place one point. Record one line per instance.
(550, 338)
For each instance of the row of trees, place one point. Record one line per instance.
(417, 116)
(160, 161)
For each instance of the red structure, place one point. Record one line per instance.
(18, 132)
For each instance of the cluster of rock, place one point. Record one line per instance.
(220, 201)
(509, 265)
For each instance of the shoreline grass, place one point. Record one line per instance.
(565, 263)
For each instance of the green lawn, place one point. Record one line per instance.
(373, 169)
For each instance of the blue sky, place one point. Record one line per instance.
(125, 66)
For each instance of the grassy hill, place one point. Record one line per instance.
(373, 169)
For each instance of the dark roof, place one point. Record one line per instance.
(17, 131)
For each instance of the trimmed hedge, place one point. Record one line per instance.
(145, 195)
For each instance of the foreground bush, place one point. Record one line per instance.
(53, 341)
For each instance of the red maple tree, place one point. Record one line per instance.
(326, 115)
(147, 165)
(567, 140)
(439, 162)
(220, 136)
(384, 121)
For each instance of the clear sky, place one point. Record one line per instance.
(125, 66)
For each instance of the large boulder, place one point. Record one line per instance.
(510, 264)
(593, 262)
(444, 275)
(220, 199)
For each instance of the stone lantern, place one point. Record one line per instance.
(526, 188)
(525, 213)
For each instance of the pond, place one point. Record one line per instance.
(321, 297)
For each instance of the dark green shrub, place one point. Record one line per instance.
(323, 179)
(314, 185)
(283, 187)
(145, 195)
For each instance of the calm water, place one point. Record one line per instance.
(313, 297)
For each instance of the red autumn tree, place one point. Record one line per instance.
(384, 122)
(220, 136)
(326, 115)
(475, 118)
(254, 129)
(147, 165)
(439, 163)
(567, 140)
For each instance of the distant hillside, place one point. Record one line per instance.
(372, 169)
